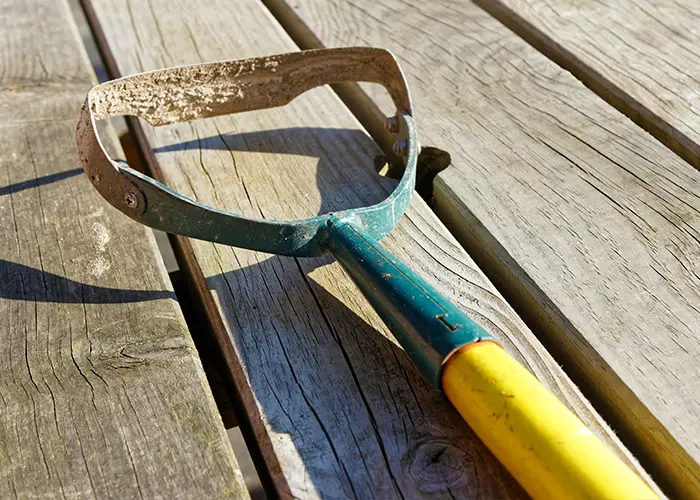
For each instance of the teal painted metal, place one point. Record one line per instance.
(171, 212)
(426, 324)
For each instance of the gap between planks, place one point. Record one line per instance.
(260, 450)
(653, 104)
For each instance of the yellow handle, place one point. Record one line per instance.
(548, 450)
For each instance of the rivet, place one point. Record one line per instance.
(95, 178)
(392, 124)
(399, 148)
(131, 200)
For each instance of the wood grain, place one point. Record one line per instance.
(642, 57)
(336, 406)
(102, 393)
(590, 225)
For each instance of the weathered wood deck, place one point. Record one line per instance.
(588, 222)
(102, 393)
(642, 57)
(584, 223)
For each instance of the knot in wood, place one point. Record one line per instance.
(438, 465)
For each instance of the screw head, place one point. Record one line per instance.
(131, 200)
(399, 148)
(392, 124)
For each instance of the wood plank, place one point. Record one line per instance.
(336, 406)
(642, 57)
(102, 393)
(589, 223)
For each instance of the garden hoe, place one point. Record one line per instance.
(550, 452)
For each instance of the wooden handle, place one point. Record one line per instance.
(549, 451)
